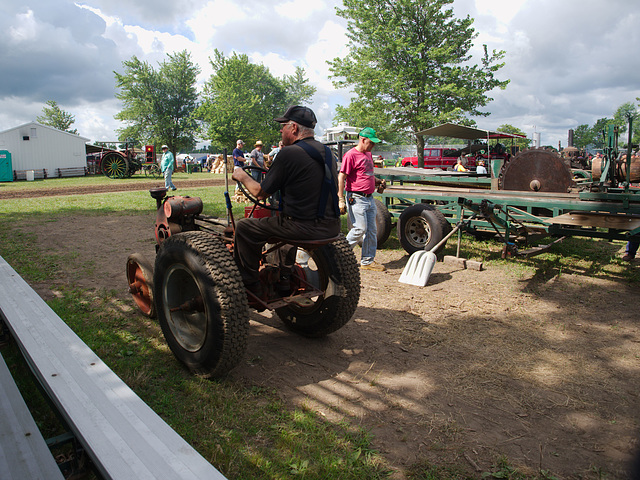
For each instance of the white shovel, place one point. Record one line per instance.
(420, 265)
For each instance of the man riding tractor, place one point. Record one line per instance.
(293, 261)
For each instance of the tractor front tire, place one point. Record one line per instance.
(201, 303)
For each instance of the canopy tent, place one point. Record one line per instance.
(467, 133)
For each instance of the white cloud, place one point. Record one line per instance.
(298, 9)
(213, 15)
(25, 28)
(562, 73)
(275, 62)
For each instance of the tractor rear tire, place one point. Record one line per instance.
(201, 303)
(114, 165)
(421, 227)
(383, 223)
(333, 269)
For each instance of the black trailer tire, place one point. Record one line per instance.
(197, 278)
(333, 269)
(421, 227)
(383, 223)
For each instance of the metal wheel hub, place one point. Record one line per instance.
(418, 231)
(184, 308)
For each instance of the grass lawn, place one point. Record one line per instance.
(245, 431)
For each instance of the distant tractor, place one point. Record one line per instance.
(120, 163)
(578, 158)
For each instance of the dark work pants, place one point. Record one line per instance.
(253, 233)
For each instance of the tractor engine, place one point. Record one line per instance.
(175, 214)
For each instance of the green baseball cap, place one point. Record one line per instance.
(369, 133)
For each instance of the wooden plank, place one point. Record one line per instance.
(598, 220)
(23, 451)
(122, 435)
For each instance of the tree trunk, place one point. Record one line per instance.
(420, 147)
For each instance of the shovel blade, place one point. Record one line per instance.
(418, 268)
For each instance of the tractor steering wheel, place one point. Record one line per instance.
(254, 200)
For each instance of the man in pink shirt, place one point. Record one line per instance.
(356, 184)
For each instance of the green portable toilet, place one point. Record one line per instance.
(6, 169)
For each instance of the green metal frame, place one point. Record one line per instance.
(511, 214)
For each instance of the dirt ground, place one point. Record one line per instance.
(505, 361)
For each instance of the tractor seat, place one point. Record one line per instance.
(305, 244)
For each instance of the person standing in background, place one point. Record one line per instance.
(274, 152)
(238, 154)
(257, 160)
(167, 165)
(357, 180)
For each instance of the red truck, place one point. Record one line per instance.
(439, 157)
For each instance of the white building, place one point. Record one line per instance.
(341, 132)
(38, 147)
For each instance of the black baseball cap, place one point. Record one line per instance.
(302, 115)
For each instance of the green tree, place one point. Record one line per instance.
(583, 136)
(598, 131)
(241, 99)
(159, 105)
(55, 117)
(621, 118)
(297, 88)
(361, 114)
(523, 143)
(410, 61)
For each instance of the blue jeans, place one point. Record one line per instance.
(362, 214)
(632, 248)
(167, 179)
(257, 175)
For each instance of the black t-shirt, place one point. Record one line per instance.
(299, 179)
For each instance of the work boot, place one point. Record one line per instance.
(627, 258)
(375, 266)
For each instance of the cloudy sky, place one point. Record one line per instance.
(569, 61)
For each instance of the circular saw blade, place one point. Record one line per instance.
(536, 171)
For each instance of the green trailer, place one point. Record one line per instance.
(523, 199)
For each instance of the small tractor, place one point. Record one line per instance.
(196, 291)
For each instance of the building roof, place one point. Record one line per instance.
(44, 126)
(468, 133)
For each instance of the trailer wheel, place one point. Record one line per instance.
(333, 269)
(140, 278)
(421, 227)
(201, 303)
(383, 223)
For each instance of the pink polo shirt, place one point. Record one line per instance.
(358, 168)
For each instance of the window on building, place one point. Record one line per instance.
(25, 138)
